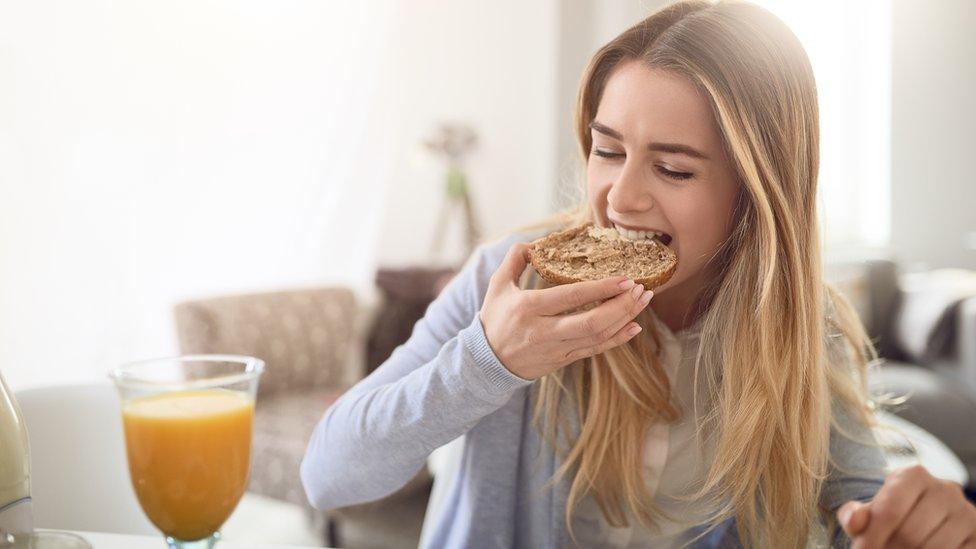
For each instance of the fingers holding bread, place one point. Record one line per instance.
(602, 322)
(569, 297)
(535, 332)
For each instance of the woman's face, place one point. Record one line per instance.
(658, 163)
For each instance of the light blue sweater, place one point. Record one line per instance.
(444, 382)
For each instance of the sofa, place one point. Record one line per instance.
(939, 390)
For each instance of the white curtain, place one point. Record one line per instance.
(849, 44)
(157, 151)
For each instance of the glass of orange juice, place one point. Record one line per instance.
(187, 423)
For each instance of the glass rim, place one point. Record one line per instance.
(123, 377)
(43, 534)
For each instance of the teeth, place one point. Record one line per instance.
(636, 235)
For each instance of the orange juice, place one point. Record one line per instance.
(189, 455)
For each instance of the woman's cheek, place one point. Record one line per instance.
(595, 178)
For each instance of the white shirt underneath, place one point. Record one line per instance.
(672, 463)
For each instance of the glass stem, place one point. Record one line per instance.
(205, 543)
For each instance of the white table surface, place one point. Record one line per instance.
(100, 540)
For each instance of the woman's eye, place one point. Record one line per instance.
(680, 176)
(674, 175)
(606, 154)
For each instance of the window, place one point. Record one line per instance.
(849, 44)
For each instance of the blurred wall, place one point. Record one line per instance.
(584, 26)
(152, 152)
(511, 69)
(932, 143)
(492, 65)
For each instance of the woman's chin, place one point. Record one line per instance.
(663, 288)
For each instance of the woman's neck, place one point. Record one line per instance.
(678, 307)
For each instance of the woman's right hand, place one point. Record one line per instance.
(529, 332)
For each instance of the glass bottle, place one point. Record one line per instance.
(16, 513)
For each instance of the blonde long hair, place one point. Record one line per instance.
(768, 319)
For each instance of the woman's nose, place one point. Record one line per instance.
(630, 192)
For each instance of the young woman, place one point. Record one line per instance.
(729, 410)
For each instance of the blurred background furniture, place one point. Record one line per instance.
(907, 444)
(941, 391)
(406, 293)
(317, 343)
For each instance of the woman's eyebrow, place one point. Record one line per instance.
(676, 148)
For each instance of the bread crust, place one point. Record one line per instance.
(556, 238)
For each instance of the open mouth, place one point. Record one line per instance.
(662, 237)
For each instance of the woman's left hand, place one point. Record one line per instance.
(912, 509)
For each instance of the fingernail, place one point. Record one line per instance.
(634, 330)
(626, 284)
(646, 298)
(845, 515)
(636, 292)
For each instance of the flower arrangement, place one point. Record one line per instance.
(452, 142)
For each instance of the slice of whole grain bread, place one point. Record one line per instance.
(587, 252)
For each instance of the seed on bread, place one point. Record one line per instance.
(588, 252)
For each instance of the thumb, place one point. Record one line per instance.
(854, 517)
(514, 264)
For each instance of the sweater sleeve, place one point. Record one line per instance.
(857, 471)
(857, 463)
(432, 389)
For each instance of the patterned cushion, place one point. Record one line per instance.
(282, 427)
(304, 336)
